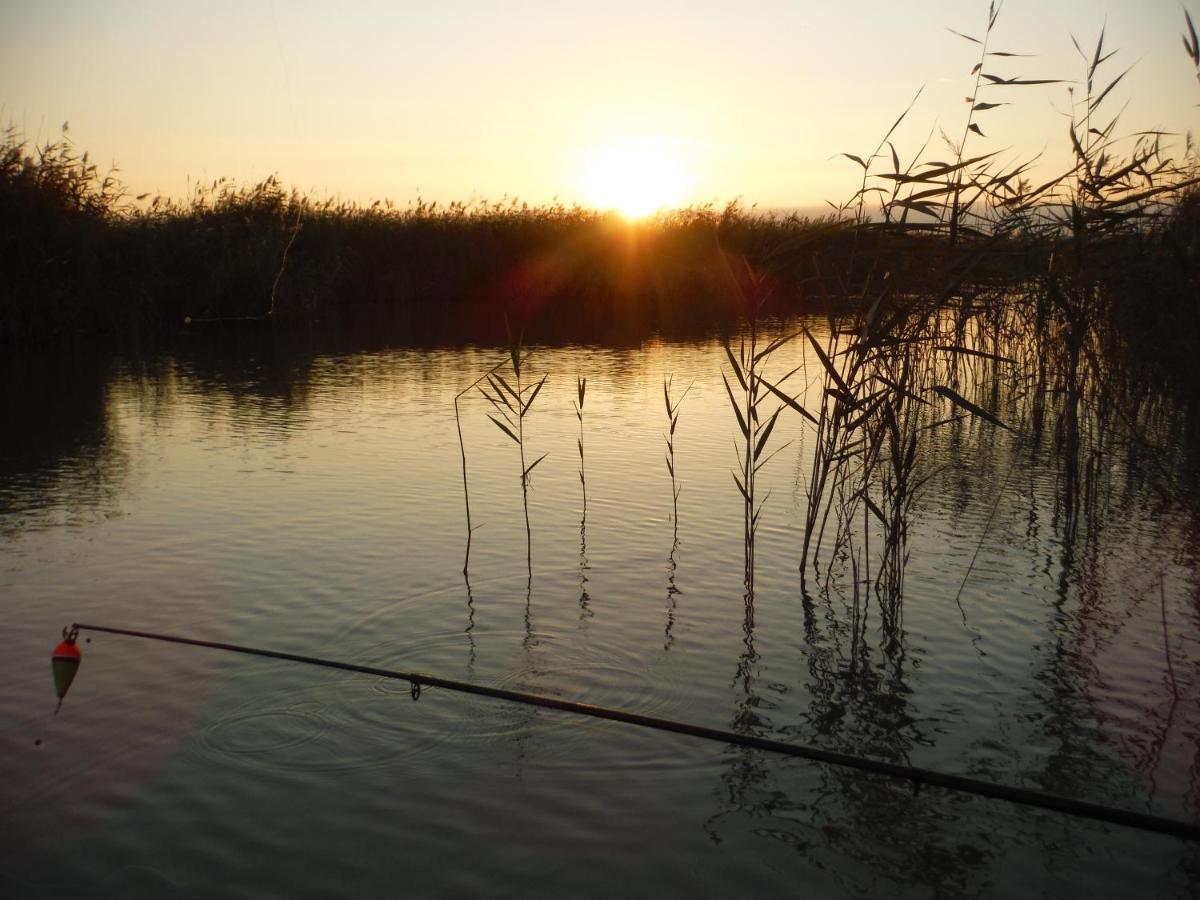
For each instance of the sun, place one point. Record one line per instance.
(635, 177)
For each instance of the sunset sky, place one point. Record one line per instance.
(464, 99)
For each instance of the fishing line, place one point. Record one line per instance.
(979, 546)
(918, 776)
(287, 83)
(287, 78)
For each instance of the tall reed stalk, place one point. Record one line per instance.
(673, 406)
(580, 396)
(462, 449)
(512, 405)
(584, 598)
(754, 394)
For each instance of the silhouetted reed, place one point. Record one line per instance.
(463, 451)
(893, 352)
(584, 598)
(581, 395)
(754, 394)
(512, 405)
(673, 407)
(1191, 43)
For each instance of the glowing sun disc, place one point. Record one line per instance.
(635, 178)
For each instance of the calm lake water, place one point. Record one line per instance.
(306, 496)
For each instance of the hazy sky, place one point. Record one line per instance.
(456, 99)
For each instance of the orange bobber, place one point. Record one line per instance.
(64, 661)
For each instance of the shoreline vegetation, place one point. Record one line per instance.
(85, 260)
(82, 260)
(1121, 225)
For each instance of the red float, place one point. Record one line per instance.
(64, 662)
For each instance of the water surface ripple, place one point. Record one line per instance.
(310, 500)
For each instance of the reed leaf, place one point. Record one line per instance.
(773, 346)
(1100, 99)
(741, 419)
(1096, 58)
(871, 406)
(900, 389)
(505, 429)
(533, 396)
(829, 366)
(961, 401)
(507, 388)
(770, 456)
(790, 401)
(488, 397)
(737, 368)
(970, 351)
(765, 434)
(874, 508)
(1018, 82)
(534, 463)
(740, 487)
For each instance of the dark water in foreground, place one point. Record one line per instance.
(309, 499)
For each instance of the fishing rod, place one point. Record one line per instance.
(66, 659)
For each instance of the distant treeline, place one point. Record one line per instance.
(81, 258)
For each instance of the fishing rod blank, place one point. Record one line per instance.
(918, 776)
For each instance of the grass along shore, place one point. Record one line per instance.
(1121, 224)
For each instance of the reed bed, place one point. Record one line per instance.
(1050, 271)
(88, 260)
